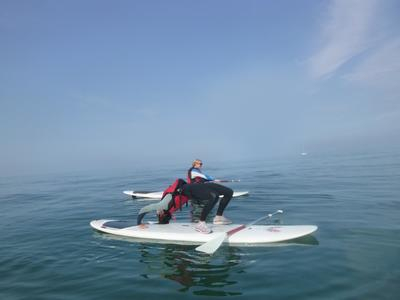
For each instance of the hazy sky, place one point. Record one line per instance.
(86, 83)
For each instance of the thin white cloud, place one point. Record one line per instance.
(381, 68)
(346, 32)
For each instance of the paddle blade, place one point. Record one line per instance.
(212, 245)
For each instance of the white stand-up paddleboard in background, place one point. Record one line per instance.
(185, 233)
(158, 195)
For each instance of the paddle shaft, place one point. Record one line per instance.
(243, 226)
(222, 180)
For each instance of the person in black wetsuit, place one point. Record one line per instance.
(202, 188)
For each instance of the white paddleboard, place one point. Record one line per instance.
(158, 195)
(185, 233)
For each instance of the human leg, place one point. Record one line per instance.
(201, 195)
(227, 194)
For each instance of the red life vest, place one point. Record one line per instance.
(177, 201)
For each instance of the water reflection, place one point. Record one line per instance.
(198, 273)
(308, 240)
(202, 274)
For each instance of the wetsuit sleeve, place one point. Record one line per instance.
(197, 173)
(140, 218)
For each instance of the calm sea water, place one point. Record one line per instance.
(48, 250)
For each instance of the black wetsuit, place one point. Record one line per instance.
(208, 194)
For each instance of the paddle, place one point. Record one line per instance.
(222, 180)
(212, 245)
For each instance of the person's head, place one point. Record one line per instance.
(197, 163)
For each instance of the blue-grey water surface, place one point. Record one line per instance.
(49, 251)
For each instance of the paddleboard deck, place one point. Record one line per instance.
(158, 195)
(185, 233)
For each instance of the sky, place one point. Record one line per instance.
(88, 83)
